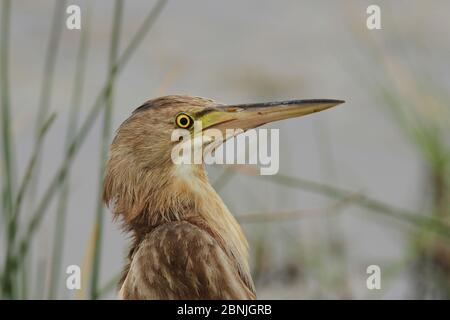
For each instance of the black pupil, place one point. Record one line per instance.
(183, 121)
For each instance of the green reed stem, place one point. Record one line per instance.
(363, 201)
(48, 77)
(47, 87)
(75, 105)
(7, 142)
(106, 133)
(14, 220)
(6, 114)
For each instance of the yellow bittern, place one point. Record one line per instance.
(186, 243)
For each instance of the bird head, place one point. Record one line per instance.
(141, 164)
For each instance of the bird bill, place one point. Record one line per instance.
(205, 143)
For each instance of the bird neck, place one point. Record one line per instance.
(186, 195)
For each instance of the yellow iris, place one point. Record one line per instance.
(184, 121)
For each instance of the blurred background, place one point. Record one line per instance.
(367, 183)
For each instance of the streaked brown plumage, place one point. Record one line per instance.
(186, 244)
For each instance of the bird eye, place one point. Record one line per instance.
(184, 121)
